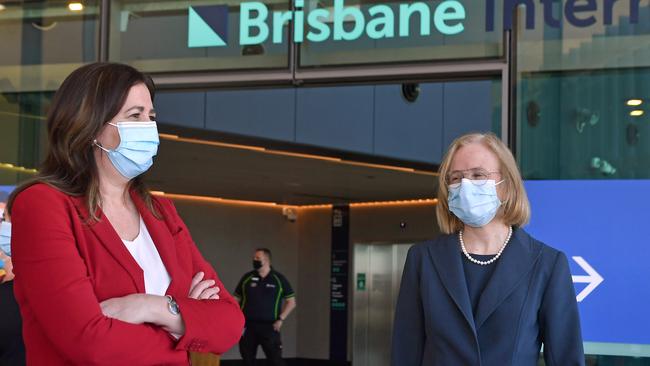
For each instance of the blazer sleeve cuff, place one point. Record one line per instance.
(210, 325)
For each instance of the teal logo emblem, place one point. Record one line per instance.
(208, 26)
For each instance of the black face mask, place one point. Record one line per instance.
(257, 264)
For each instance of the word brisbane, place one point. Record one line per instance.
(348, 23)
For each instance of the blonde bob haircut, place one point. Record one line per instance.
(515, 209)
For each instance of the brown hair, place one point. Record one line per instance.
(266, 252)
(516, 209)
(89, 97)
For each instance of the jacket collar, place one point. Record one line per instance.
(108, 237)
(446, 257)
(515, 263)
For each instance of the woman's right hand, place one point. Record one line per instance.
(201, 289)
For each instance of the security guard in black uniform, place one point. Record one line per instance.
(266, 298)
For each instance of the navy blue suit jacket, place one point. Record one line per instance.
(528, 301)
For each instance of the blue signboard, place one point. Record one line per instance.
(602, 227)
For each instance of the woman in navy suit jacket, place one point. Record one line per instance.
(106, 273)
(485, 293)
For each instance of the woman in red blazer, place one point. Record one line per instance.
(107, 274)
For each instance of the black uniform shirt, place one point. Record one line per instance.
(261, 298)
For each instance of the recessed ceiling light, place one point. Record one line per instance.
(634, 102)
(76, 6)
(637, 113)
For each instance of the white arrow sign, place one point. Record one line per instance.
(593, 279)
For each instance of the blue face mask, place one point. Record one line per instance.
(5, 237)
(475, 204)
(138, 145)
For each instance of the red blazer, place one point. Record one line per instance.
(65, 267)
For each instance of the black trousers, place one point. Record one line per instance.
(261, 334)
(12, 348)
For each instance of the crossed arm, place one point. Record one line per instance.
(56, 292)
(153, 309)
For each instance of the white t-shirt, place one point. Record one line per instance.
(143, 250)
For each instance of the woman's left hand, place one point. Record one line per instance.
(131, 308)
(201, 289)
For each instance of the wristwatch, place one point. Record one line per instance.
(172, 306)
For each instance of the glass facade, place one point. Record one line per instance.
(410, 35)
(42, 41)
(155, 36)
(369, 32)
(582, 80)
(582, 96)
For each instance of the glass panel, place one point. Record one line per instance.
(22, 135)
(394, 31)
(578, 124)
(43, 41)
(158, 36)
(583, 94)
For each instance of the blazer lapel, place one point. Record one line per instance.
(108, 237)
(448, 263)
(517, 260)
(161, 236)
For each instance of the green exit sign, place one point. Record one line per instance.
(361, 281)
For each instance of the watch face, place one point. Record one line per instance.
(172, 306)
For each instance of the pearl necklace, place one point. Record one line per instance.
(490, 261)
